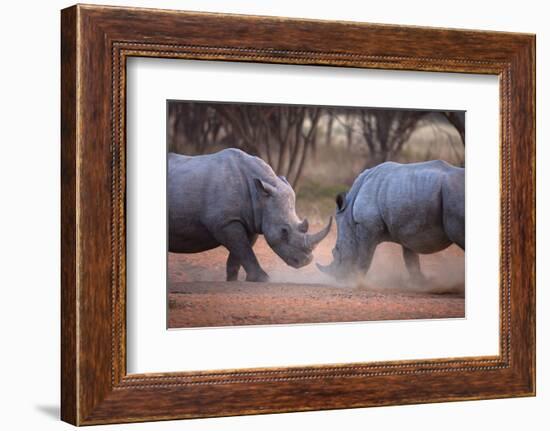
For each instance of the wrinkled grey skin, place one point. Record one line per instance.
(229, 198)
(418, 205)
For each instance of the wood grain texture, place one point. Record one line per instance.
(96, 41)
(69, 366)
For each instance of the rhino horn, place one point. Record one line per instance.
(313, 239)
(303, 226)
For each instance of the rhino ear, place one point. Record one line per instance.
(264, 188)
(282, 177)
(341, 201)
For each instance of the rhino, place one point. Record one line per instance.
(418, 205)
(229, 198)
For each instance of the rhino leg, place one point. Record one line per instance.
(232, 267)
(456, 234)
(233, 263)
(234, 237)
(365, 257)
(412, 262)
(368, 240)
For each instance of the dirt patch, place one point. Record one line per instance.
(199, 296)
(220, 304)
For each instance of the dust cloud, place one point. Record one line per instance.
(444, 271)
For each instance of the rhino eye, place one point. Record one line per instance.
(284, 234)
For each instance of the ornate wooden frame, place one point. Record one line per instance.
(95, 43)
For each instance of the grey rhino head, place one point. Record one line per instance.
(281, 227)
(344, 253)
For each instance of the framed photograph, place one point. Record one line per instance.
(264, 215)
(279, 161)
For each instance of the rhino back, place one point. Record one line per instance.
(407, 200)
(212, 190)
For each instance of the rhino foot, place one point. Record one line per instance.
(232, 276)
(418, 280)
(258, 277)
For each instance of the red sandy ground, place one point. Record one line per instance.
(199, 297)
